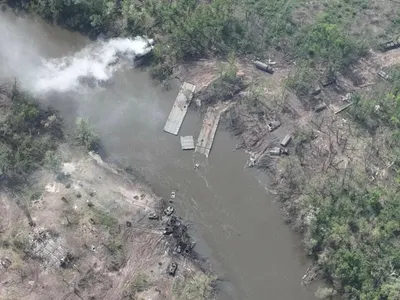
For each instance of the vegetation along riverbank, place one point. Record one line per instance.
(75, 227)
(334, 90)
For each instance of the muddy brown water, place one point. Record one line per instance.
(238, 226)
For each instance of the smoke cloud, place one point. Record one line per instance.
(21, 56)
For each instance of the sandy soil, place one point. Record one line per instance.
(92, 239)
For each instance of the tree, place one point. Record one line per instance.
(86, 136)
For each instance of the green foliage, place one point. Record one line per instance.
(20, 242)
(302, 138)
(355, 226)
(25, 139)
(325, 293)
(329, 43)
(267, 23)
(380, 107)
(86, 136)
(163, 65)
(191, 29)
(52, 160)
(6, 156)
(92, 17)
(228, 71)
(114, 247)
(356, 233)
(198, 287)
(184, 29)
(254, 98)
(391, 290)
(302, 80)
(385, 109)
(138, 285)
(106, 219)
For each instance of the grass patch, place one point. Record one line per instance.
(138, 285)
(198, 287)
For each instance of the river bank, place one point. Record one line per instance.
(219, 198)
(319, 74)
(329, 155)
(91, 240)
(77, 227)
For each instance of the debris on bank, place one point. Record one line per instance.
(320, 107)
(344, 107)
(172, 268)
(277, 151)
(286, 140)
(153, 216)
(180, 239)
(390, 45)
(169, 210)
(119, 231)
(384, 75)
(328, 81)
(348, 97)
(316, 91)
(263, 67)
(273, 125)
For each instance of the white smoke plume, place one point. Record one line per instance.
(26, 48)
(95, 63)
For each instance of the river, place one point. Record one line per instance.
(238, 226)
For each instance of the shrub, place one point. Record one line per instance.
(196, 287)
(52, 160)
(86, 136)
(25, 138)
(329, 44)
(325, 293)
(302, 80)
(355, 231)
